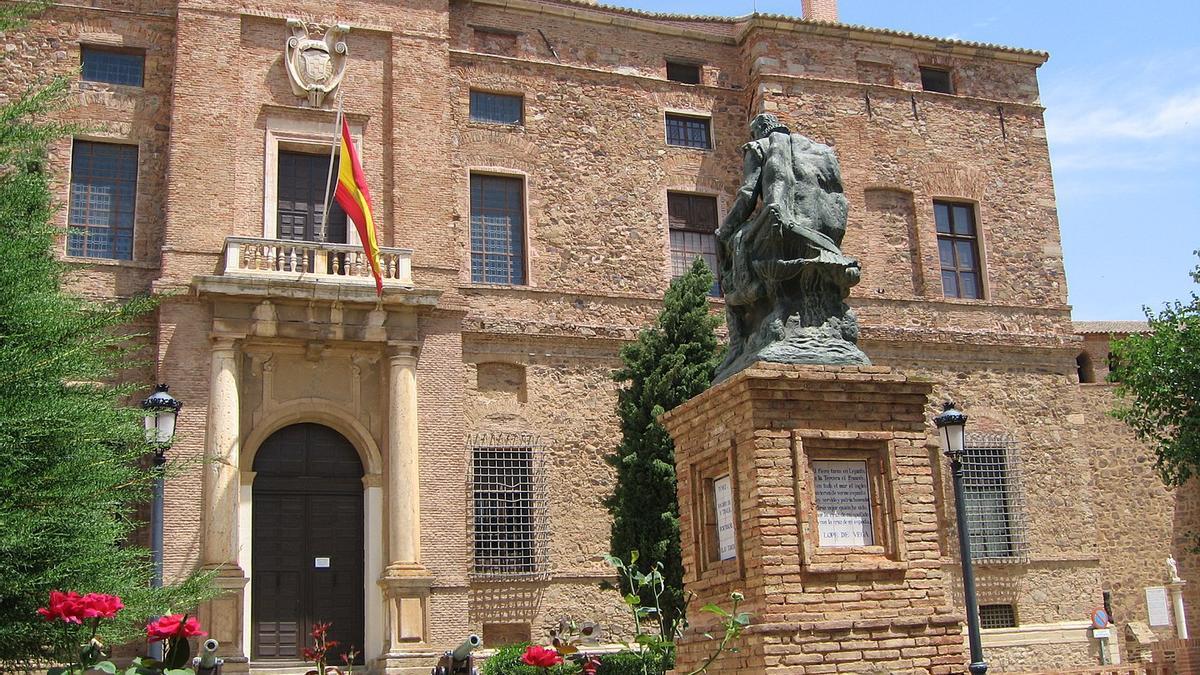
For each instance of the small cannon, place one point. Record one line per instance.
(457, 662)
(208, 663)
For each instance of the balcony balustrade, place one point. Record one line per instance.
(314, 262)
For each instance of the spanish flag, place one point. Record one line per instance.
(354, 197)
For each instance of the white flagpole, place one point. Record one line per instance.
(337, 137)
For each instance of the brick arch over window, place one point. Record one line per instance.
(319, 411)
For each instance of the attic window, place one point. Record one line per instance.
(687, 73)
(936, 79)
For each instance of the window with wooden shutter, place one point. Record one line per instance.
(693, 221)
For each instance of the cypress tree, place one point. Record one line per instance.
(669, 363)
(71, 440)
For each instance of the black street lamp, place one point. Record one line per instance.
(161, 409)
(952, 424)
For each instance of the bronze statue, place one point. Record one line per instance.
(782, 269)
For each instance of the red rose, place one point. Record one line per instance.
(540, 657)
(101, 606)
(173, 626)
(66, 606)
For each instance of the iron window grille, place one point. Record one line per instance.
(936, 79)
(693, 223)
(103, 195)
(958, 250)
(497, 230)
(994, 498)
(509, 526)
(112, 66)
(997, 616)
(689, 132)
(496, 108)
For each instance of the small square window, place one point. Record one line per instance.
(687, 73)
(114, 66)
(997, 616)
(495, 108)
(689, 132)
(936, 79)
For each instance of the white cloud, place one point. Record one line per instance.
(1146, 117)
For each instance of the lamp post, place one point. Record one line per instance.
(952, 424)
(161, 409)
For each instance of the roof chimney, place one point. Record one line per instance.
(819, 10)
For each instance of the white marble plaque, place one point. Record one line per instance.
(843, 496)
(1156, 606)
(726, 536)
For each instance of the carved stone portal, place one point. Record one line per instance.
(315, 55)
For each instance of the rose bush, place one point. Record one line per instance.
(540, 657)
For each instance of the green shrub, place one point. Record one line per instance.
(629, 663)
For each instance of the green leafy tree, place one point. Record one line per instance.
(1158, 382)
(670, 362)
(71, 445)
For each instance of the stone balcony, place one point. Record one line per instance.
(314, 262)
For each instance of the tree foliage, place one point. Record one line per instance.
(670, 362)
(71, 444)
(1158, 382)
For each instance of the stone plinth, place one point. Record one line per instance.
(865, 595)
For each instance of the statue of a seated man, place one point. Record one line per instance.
(782, 269)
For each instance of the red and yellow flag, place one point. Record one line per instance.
(354, 197)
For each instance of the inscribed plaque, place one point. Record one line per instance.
(1156, 606)
(843, 496)
(723, 500)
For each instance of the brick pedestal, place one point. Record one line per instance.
(879, 607)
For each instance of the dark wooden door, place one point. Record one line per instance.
(301, 199)
(308, 549)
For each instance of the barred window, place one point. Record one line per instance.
(509, 527)
(997, 616)
(958, 249)
(994, 500)
(495, 108)
(693, 221)
(103, 193)
(689, 132)
(497, 230)
(114, 66)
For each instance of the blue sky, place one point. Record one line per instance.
(1122, 97)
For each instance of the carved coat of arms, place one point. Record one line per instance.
(316, 59)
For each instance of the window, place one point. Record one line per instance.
(103, 194)
(495, 108)
(687, 73)
(693, 220)
(958, 248)
(993, 498)
(936, 79)
(508, 505)
(1083, 364)
(997, 616)
(688, 132)
(114, 66)
(497, 230)
(300, 205)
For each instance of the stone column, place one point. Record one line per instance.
(222, 616)
(1181, 629)
(222, 473)
(405, 580)
(404, 495)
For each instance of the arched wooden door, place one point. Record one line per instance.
(307, 548)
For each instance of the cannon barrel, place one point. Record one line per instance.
(463, 651)
(208, 653)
